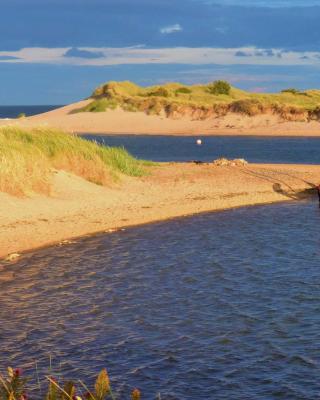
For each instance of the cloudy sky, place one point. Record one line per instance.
(57, 51)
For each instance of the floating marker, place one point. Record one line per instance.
(199, 142)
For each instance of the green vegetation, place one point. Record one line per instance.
(295, 91)
(203, 101)
(14, 387)
(291, 90)
(183, 90)
(160, 91)
(219, 87)
(21, 115)
(249, 107)
(99, 105)
(28, 159)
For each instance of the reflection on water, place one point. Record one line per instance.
(218, 306)
(183, 148)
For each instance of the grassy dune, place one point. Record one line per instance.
(203, 100)
(28, 158)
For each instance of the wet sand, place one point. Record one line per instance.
(77, 207)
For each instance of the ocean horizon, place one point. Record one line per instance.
(29, 110)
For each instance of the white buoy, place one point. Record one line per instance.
(199, 142)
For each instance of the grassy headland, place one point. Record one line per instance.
(203, 101)
(28, 158)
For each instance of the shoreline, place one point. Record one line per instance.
(200, 135)
(74, 239)
(77, 208)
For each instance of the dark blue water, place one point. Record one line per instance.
(14, 111)
(254, 149)
(216, 306)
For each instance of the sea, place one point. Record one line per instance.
(14, 111)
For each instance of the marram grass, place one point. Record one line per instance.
(28, 158)
(217, 97)
(14, 386)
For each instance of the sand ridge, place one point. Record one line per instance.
(124, 122)
(77, 207)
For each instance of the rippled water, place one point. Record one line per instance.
(216, 306)
(183, 148)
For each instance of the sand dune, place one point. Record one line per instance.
(78, 207)
(119, 121)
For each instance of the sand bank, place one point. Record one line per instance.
(119, 121)
(77, 207)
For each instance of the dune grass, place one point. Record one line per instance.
(98, 105)
(28, 159)
(289, 103)
(14, 386)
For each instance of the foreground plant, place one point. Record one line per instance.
(14, 387)
(29, 159)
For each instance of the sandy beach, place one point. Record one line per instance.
(77, 207)
(124, 122)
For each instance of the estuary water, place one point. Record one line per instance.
(183, 148)
(221, 306)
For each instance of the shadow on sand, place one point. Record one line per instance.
(281, 186)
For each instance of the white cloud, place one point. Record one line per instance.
(41, 55)
(176, 55)
(265, 3)
(171, 29)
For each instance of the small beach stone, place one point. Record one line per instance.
(12, 257)
(65, 242)
(240, 161)
(221, 162)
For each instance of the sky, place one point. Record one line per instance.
(58, 51)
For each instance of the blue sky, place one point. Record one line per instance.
(57, 51)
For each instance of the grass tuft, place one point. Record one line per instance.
(29, 157)
(98, 105)
(14, 386)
